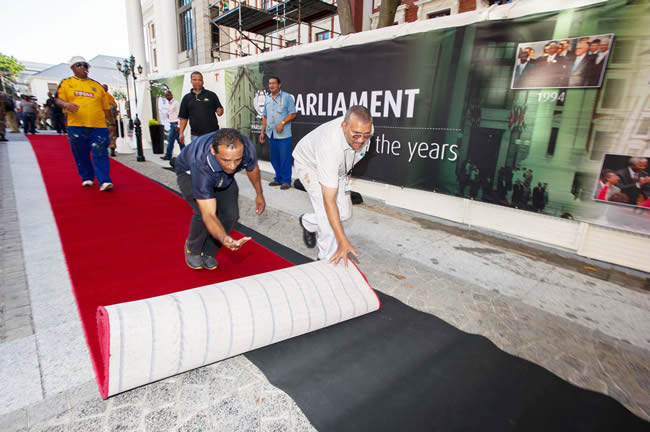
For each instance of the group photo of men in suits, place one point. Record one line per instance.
(624, 180)
(575, 62)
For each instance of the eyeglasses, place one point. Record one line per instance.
(85, 65)
(364, 137)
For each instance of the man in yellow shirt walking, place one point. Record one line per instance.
(89, 114)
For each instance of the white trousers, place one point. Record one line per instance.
(317, 222)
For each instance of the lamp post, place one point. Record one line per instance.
(126, 69)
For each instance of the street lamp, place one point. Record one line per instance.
(126, 69)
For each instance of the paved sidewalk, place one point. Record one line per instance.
(591, 332)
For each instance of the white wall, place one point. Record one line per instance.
(39, 88)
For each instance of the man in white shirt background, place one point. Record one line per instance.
(172, 116)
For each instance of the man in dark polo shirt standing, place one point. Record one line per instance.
(205, 172)
(199, 106)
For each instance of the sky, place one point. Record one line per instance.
(52, 31)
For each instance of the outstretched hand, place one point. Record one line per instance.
(233, 244)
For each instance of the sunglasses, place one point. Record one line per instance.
(85, 65)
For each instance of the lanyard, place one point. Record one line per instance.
(345, 163)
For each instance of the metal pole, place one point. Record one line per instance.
(138, 139)
(128, 97)
(240, 30)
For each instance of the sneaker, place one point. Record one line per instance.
(193, 261)
(165, 157)
(209, 262)
(105, 187)
(274, 183)
(285, 186)
(308, 237)
(87, 183)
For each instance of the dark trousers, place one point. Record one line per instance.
(29, 123)
(199, 239)
(59, 122)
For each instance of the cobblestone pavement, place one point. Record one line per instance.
(590, 332)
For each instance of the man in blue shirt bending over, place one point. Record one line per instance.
(205, 172)
(279, 112)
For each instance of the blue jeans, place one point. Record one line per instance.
(86, 141)
(281, 159)
(171, 139)
(29, 123)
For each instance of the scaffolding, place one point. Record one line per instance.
(246, 19)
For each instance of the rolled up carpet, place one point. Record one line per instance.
(151, 339)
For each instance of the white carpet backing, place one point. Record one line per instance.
(148, 340)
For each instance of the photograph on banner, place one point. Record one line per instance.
(624, 179)
(158, 89)
(563, 63)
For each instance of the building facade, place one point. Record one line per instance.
(186, 33)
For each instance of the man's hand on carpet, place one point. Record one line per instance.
(342, 254)
(233, 244)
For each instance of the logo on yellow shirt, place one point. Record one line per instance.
(83, 93)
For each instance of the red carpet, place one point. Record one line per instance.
(127, 244)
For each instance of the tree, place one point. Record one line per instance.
(387, 12)
(344, 10)
(10, 67)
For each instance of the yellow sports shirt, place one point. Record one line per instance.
(91, 98)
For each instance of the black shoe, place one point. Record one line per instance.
(274, 183)
(113, 152)
(3, 139)
(165, 158)
(285, 186)
(308, 237)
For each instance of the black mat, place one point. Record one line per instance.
(404, 370)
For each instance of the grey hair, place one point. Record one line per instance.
(360, 112)
(635, 160)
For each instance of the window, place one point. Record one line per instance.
(613, 94)
(552, 141)
(644, 126)
(623, 51)
(153, 31)
(495, 85)
(289, 43)
(498, 2)
(322, 35)
(266, 4)
(602, 143)
(186, 25)
(155, 58)
(438, 14)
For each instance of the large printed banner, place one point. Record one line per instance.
(454, 114)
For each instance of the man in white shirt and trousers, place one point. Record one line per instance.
(324, 159)
(172, 117)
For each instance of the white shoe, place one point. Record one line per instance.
(105, 187)
(87, 183)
